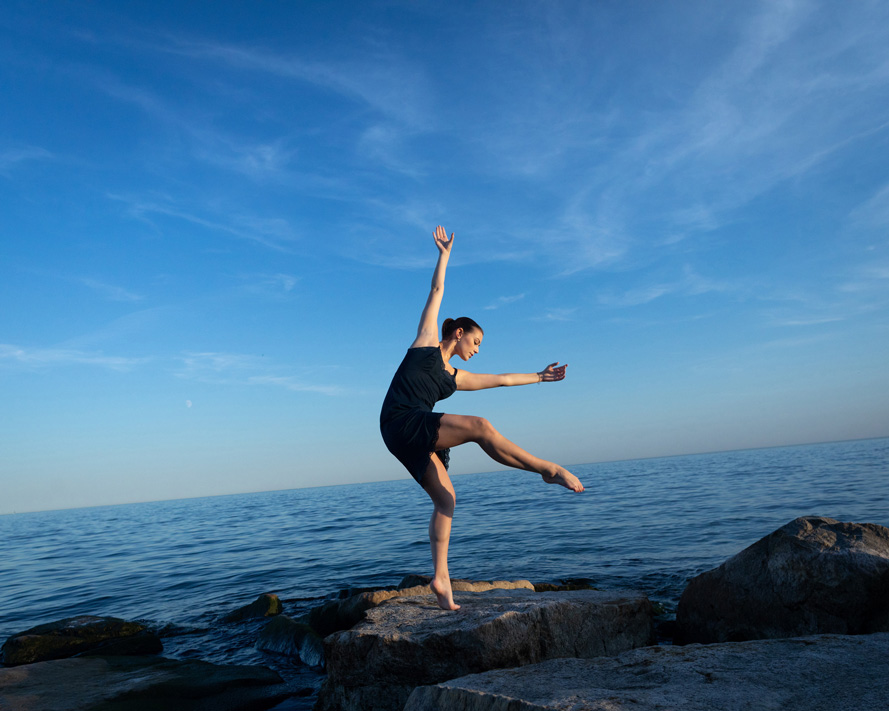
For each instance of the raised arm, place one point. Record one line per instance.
(481, 381)
(427, 332)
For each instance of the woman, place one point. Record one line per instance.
(420, 438)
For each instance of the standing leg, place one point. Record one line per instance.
(438, 485)
(459, 429)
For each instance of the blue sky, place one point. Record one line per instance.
(216, 232)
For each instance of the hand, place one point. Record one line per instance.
(552, 372)
(441, 241)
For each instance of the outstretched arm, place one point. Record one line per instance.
(481, 381)
(427, 332)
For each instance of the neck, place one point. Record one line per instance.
(447, 349)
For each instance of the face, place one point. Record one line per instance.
(469, 343)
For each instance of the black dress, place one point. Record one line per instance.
(407, 423)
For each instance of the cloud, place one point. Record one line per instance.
(12, 157)
(272, 232)
(504, 301)
(556, 314)
(242, 369)
(635, 165)
(47, 357)
(873, 212)
(295, 384)
(380, 79)
(115, 293)
(273, 285)
(689, 284)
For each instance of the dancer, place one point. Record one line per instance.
(421, 439)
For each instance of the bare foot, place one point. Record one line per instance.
(562, 476)
(444, 594)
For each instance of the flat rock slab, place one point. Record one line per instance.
(408, 642)
(138, 684)
(818, 673)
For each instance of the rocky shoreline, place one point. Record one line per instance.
(762, 631)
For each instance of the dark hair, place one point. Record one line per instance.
(450, 325)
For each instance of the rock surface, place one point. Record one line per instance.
(284, 635)
(79, 635)
(138, 684)
(343, 614)
(407, 642)
(266, 605)
(826, 673)
(811, 576)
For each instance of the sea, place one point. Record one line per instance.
(647, 524)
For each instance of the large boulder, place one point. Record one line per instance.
(408, 642)
(826, 673)
(811, 576)
(266, 605)
(79, 635)
(138, 684)
(344, 613)
(283, 635)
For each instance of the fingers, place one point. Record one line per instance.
(441, 235)
(554, 372)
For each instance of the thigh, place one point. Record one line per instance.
(454, 430)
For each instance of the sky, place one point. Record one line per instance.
(216, 232)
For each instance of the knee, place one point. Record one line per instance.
(447, 503)
(482, 429)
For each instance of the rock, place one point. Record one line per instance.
(284, 635)
(266, 605)
(566, 585)
(408, 641)
(826, 673)
(138, 684)
(337, 615)
(812, 576)
(79, 635)
(460, 585)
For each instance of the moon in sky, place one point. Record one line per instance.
(188, 403)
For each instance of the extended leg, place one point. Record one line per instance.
(459, 429)
(438, 485)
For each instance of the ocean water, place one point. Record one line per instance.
(649, 524)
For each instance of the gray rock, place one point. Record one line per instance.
(343, 614)
(266, 605)
(72, 636)
(811, 576)
(284, 635)
(138, 684)
(826, 673)
(408, 641)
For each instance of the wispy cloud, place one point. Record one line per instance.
(109, 291)
(642, 173)
(275, 233)
(504, 301)
(395, 88)
(47, 357)
(689, 284)
(556, 314)
(12, 157)
(873, 212)
(295, 384)
(275, 285)
(242, 369)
